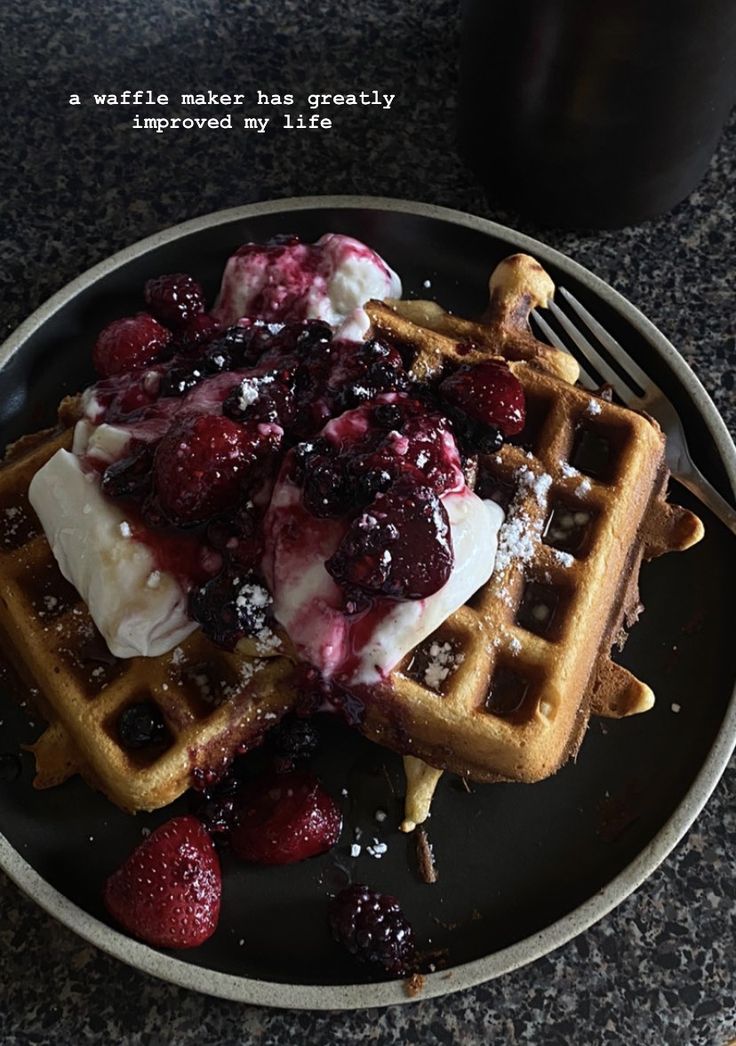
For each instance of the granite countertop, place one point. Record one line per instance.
(81, 184)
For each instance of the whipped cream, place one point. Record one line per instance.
(139, 609)
(330, 280)
(110, 568)
(363, 648)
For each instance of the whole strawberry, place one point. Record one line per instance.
(283, 818)
(124, 345)
(167, 893)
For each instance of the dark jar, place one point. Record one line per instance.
(598, 115)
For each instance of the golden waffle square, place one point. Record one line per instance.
(213, 702)
(504, 688)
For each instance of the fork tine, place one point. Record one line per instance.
(609, 342)
(624, 391)
(553, 338)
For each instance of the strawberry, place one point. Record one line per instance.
(167, 893)
(124, 345)
(284, 818)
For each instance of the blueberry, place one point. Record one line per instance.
(232, 605)
(488, 439)
(180, 380)
(141, 725)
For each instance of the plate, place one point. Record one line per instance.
(521, 869)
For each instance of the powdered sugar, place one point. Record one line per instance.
(442, 661)
(563, 558)
(250, 389)
(518, 538)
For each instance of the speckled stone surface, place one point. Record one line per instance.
(79, 184)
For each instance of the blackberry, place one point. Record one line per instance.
(372, 927)
(141, 725)
(194, 333)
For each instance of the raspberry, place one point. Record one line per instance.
(175, 299)
(487, 393)
(284, 818)
(372, 927)
(126, 344)
(205, 463)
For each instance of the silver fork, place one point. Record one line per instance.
(651, 399)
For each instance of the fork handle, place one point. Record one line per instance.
(697, 484)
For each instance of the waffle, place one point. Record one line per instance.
(214, 703)
(492, 695)
(517, 285)
(504, 689)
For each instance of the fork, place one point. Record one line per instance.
(638, 391)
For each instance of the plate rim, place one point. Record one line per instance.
(368, 995)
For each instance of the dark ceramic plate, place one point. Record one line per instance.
(522, 869)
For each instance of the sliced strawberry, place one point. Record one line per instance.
(205, 463)
(284, 818)
(124, 345)
(167, 893)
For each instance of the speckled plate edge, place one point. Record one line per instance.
(356, 996)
